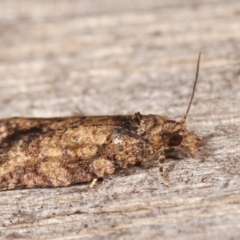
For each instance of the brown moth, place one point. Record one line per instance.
(57, 152)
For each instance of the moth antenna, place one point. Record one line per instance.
(193, 91)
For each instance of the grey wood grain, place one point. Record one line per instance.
(119, 57)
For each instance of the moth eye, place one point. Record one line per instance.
(175, 140)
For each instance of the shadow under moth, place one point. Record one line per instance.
(57, 152)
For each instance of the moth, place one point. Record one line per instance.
(57, 152)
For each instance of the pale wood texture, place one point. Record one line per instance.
(118, 57)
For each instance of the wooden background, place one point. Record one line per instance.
(106, 57)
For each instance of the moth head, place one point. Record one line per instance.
(175, 136)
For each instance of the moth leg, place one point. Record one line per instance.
(161, 164)
(93, 183)
(100, 167)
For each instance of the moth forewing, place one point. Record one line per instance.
(57, 152)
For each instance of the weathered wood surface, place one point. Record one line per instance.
(119, 57)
